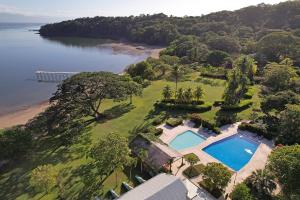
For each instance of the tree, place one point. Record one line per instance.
(143, 154)
(224, 43)
(216, 176)
(142, 69)
(110, 153)
(284, 163)
(44, 177)
(241, 192)
(180, 95)
(289, 125)
(192, 159)
(14, 142)
(198, 93)
(278, 45)
(133, 162)
(132, 89)
(188, 95)
(82, 94)
(262, 182)
(176, 73)
(217, 58)
(278, 77)
(167, 92)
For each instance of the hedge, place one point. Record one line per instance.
(173, 122)
(174, 101)
(255, 128)
(153, 130)
(211, 126)
(249, 94)
(196, 118)
(193, 171)
(244, 104)
(218, 103)
(212, 75)
(190, 107)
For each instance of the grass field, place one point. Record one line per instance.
(79, 177)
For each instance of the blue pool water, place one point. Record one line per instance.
(186, 139)
(234, 151)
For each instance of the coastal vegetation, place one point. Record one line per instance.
(216, 70)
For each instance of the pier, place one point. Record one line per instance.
(47, 76)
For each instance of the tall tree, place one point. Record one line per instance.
(216, 176)
(198, 93)
(143, 154)
(82, 94)
(44, 177)
(167, 92)
(284, 163)
(262, 182)
(176, 73)
(110, 153)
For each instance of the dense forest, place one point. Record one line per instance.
(270, 31)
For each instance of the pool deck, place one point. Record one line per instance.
(258, 160)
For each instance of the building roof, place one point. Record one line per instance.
(162, 186)
(158, 154)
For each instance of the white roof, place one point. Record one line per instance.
(162, 186)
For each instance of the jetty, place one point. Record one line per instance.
(48, 76)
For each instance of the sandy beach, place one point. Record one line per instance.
(23, 115)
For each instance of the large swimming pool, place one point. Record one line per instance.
(234, 151)
(185, 140)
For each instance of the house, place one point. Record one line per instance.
(160, 187)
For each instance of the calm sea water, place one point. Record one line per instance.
(22, 52)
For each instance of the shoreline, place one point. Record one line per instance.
(23, 115)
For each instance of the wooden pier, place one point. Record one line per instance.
(47, 76)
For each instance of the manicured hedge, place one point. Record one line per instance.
(196, 118)
(249, 94)
(214, 75)
(173, 101)
(211, 126)
(244, 104)
(174, 122)
(194, 171)
(153, 130)
(255, 128)
(190, 107)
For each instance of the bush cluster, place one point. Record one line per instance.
(153, 130)
(255, 128)
(244, 104)
(211, 126)
(196, 118)
(213, 75)
(173, 122)
(174, 101)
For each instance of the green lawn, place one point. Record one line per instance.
(79, 176)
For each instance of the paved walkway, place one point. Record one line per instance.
(258, 160)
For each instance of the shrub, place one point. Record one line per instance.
(213, 75)
(173, 122)
(249, 94)
(196, 118)
(211, 126)
(255, 128)
(153, 130)
(215, 192)
(193, 171)
(158, 131)
(241, 192)
(157, 121)
(244, 104)
(218, 103)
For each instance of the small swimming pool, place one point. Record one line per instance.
(185, 140)
(234, 151)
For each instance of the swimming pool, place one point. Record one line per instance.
(185, 140)
(234, 151)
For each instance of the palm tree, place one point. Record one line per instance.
(167, 92)
(198, 93)
(180, 95)
(143, 154)
(176, 73)
(132, 163)
(262, 182)
(188, 95)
